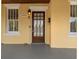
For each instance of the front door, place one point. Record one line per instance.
(38, 27)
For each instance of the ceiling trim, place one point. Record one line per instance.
(24, 1)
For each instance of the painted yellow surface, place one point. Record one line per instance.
(60, 26)
(56, 32)
(25, 33)
(22, 35)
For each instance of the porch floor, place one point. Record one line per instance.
(36, 51)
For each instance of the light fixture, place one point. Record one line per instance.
(29, 11)
(49, 20)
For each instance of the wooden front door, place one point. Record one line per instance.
(38, 27)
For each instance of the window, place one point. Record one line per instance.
(73, 18)
(12, 20)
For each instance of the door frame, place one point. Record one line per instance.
(43, 25)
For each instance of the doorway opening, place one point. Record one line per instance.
(38, 27)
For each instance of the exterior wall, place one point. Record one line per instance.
(60, 25)
(25, 33)
(48, 27)
(56, 32)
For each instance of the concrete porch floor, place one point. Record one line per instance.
(36, 51)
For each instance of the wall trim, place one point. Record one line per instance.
(38, 8)
(73, 34)
(73, 2)
(12, 6)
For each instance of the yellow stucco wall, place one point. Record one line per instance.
(19, 38)
(60, 25)
(25, 33)
(56, 32)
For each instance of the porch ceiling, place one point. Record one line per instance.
(24, 1)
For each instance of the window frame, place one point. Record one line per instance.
(12, 32)
(72, 34)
